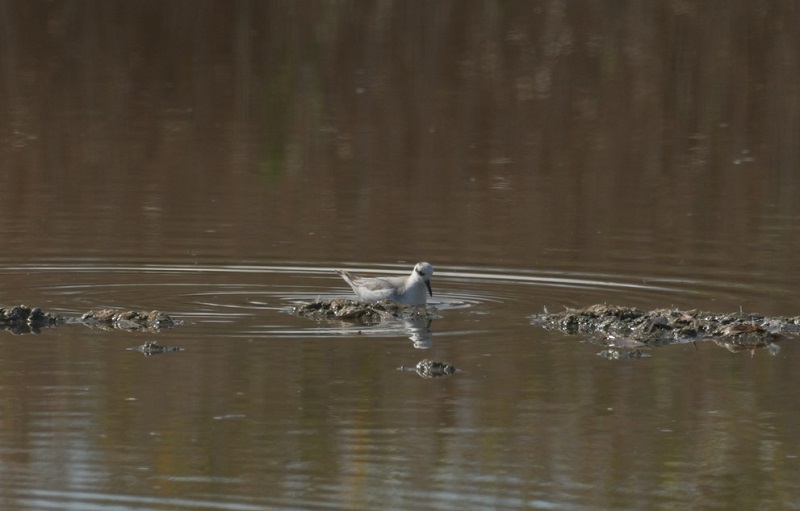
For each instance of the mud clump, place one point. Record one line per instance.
(21, 319)
(127, 320)
(743, 337)
(355, 311)
(627, 329)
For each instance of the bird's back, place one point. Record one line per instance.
(373, 289)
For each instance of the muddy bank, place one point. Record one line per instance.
(21, 319)
(626, 331)
(354, 311)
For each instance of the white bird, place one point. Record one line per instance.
(406, 290)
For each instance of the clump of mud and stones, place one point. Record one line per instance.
(21, 319)
(355, 311)
(626, 330)
(112, 319)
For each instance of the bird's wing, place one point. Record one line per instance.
(374, 284)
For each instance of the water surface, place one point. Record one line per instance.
(217, 161)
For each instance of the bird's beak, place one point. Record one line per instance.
(428, 284)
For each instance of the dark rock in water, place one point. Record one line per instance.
(359, 312)
(127, 320)
(617, 354)
(153, 348)
(21, 319)
(430, 369)
(612, 323)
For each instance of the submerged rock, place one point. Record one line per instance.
(612, 323)
(617, 354)
(359, 312)
(153, 348)
(430, 369)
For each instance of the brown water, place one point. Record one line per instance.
(216, 160)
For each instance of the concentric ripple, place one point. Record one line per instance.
(258, 300)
